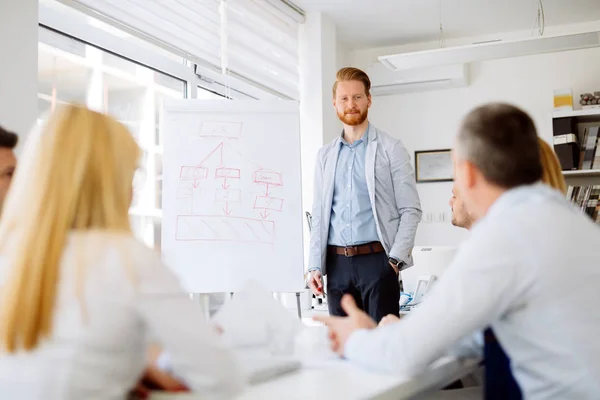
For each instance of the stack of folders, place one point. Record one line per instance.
(576, 149)
(590, 151)
(566, 143)
(587, 199)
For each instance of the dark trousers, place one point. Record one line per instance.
(500, 383)
(369, 278)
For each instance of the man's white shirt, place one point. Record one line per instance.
(531, 271)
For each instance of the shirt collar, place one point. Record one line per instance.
(364, 138)
(521, 194)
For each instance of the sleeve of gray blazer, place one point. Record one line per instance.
(407, 201)
(315, 257)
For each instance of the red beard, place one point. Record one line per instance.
(353, 119)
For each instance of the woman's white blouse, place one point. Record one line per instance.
(114, 296)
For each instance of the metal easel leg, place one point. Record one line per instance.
(203, 300)
(298, 305)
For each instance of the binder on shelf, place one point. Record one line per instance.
(564, 126)
(589, 147)
(567, 151)
(596, 162)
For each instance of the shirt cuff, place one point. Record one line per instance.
(396, 257)
(163, 362)
(399, 260)
(314, 269)
(354, 347)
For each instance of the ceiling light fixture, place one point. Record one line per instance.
(491, 50)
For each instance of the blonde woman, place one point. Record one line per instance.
(80, 296)
(552, 171)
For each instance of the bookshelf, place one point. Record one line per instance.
(584, 184)
(582, 173)
(584, 119)
(582, 177)
(589, 114)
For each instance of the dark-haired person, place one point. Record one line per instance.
(366, 207)
(8, 161)
(509, 275)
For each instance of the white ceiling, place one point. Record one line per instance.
(375, 23)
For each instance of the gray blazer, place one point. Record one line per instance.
(392, 190)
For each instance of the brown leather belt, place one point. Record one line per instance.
(351, 251)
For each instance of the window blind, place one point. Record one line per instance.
(256, 39)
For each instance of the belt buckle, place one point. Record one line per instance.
(346, 251)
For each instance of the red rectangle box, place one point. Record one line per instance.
(223, 129)
(268, 203)
(227, 173)
(193, 173)
(228, 195)
(268, 177)
(213, 228)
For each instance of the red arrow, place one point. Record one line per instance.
(195, 184)
(226, 209)
(264, 214)
(225, 185)
(267, 193)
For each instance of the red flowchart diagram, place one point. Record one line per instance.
(268, 203)
(212, 178)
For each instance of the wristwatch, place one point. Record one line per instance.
(396, 263)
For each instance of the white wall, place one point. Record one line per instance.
(321, 55)
(429, 120)
(18, 66)
(334, 126)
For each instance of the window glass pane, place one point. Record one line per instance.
(157, 226)
(63, 77)
(139, 190)
(124, 100)
(70, 71)
(159, 179)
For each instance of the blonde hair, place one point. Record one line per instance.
(551, 170)
(352, 74)
(76, 174)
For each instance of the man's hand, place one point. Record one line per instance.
(340, 328)
(316, 282)
(394, 267)
(388, 319)
(156, 379)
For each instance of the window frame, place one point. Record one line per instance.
(196, 77)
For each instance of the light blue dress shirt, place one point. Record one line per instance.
(511, 274)
(352, 222)
(392, 189)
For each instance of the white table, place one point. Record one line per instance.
(338, 379)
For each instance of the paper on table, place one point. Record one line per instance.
(313, 348)
(254, 318)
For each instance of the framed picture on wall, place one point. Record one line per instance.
(433, 166)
